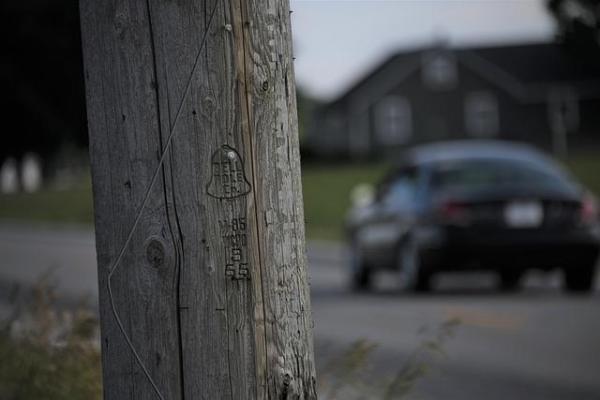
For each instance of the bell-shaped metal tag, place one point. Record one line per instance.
(228, 178)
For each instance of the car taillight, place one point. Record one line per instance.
(454, 213)
(588, 213)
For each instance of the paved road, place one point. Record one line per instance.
(537, 344)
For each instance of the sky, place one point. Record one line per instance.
(337, 42)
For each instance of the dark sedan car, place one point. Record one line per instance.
(487, 205)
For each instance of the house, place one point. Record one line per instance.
(538, 93)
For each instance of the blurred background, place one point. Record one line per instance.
(375, 79)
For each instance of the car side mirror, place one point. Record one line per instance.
(362, 195)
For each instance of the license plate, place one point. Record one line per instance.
(524, 214)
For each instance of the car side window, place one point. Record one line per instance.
(400, 192)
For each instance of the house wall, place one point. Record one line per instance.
(588, 136)
(328, 133)
(438, 114)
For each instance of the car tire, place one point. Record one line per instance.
(510, 280)
(414, 274)
(360, 273)
(580, 279)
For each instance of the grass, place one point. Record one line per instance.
(586, 167)
(326, 196)
(326, 199)
(65, 206)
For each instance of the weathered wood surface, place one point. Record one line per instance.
(211, 289)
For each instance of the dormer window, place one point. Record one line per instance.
(439, 71)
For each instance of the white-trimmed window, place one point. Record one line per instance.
(393, 120)
(439, 71)
(481, 114)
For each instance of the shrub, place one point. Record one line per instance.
(49, 354)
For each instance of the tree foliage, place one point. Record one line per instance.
(41, 75)
(578, 23)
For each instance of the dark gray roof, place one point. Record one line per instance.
(534, 64)
(540, 63)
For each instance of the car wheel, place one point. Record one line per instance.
(580, 279)
(414, 275)
(360, 273)
(510, 280)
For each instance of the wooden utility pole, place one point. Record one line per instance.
(197, 195)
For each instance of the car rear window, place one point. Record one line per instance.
(487, 173)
